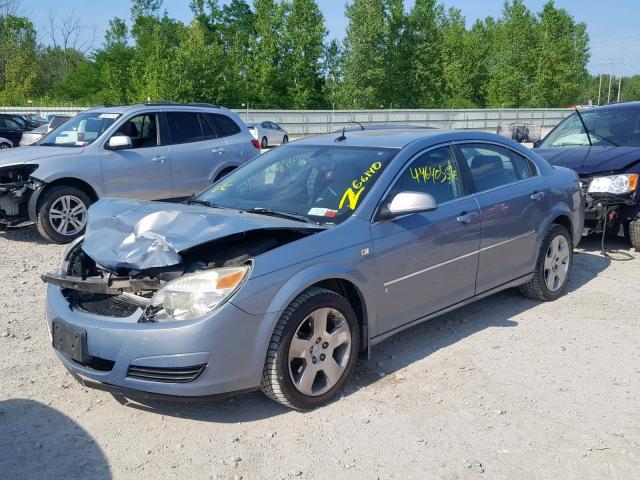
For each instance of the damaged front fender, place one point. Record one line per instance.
(16, 190)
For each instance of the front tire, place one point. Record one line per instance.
(553, 267)
(264, 144)
(62, 215)
(285, 139)
(632, 232)
(313, 350)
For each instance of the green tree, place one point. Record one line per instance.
(561, 53)
(268, 85)
(18, 59)
(425, 33)
(114, 63)
(303, 42)
(363, 83)
(512, 73)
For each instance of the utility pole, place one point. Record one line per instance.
(619, 87)
(609, 94)
(599, 89)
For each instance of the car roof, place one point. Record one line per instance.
(614, 106)
(123, 109)
(398, 138)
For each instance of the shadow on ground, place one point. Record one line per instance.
(37, 441)
(417, 343)
(26, 234)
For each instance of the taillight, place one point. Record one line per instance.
(255, 143)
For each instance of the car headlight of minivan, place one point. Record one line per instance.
(617, 184)
(196, 294)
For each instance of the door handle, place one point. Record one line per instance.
(218, 150)
(159, 159)
(466, 217)
(537, 196)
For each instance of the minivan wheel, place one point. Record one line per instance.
(263, 143)
(632, 232)
(313, 350)
(4, 146)
(285, 139)
(553, 267)
(62, 216)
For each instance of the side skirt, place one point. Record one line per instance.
(514, 283)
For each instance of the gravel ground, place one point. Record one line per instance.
(505, 388)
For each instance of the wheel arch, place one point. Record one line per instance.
(36, 197)
(352, 293)
(342, 279)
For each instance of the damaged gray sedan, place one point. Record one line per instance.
(282, 274)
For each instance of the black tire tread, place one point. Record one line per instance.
(270, 384)
(533, 288)
(634, 234)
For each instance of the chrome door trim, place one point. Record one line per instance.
(442, 264)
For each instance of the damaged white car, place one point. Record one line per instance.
(146, 151)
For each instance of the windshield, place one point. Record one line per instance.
(322, 184)
(80, 131)
(607, 127)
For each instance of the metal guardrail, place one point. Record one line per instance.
(313, 122)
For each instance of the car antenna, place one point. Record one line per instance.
(357, 123)
(584, 125)
(342, 137)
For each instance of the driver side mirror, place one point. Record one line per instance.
(120, 142)
(408, 202)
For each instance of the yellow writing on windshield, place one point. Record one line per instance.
(221, 187)
(352, 194)
(433, 174)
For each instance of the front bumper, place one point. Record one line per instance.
(227, 342)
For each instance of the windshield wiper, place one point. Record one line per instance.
(589, 132)
(584, 125)
(206, 203)
(287, 215)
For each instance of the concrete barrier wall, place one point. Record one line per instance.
(312, 122)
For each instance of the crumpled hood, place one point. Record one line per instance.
(17, 156)
(589, 160)
(139, 235)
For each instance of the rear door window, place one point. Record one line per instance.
(490, 165)
(184, 127)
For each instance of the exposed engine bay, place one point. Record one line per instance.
(95, 289)
(16, 187)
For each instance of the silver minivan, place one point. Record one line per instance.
(149, 151)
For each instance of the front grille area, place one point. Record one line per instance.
(118, 306)
(166, 375)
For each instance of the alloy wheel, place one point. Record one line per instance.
(556, 263)
(319, 351)
(68, 215)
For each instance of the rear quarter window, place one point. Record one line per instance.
(223, 124)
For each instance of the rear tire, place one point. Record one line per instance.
(553, 267)
(285, 139)
(313, 350)
(632, 232)
(62, 214)
(264, 144)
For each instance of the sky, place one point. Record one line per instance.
(612, 25)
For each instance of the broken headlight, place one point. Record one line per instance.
(616, 184)
(196, 294)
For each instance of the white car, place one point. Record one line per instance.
(268, 133)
